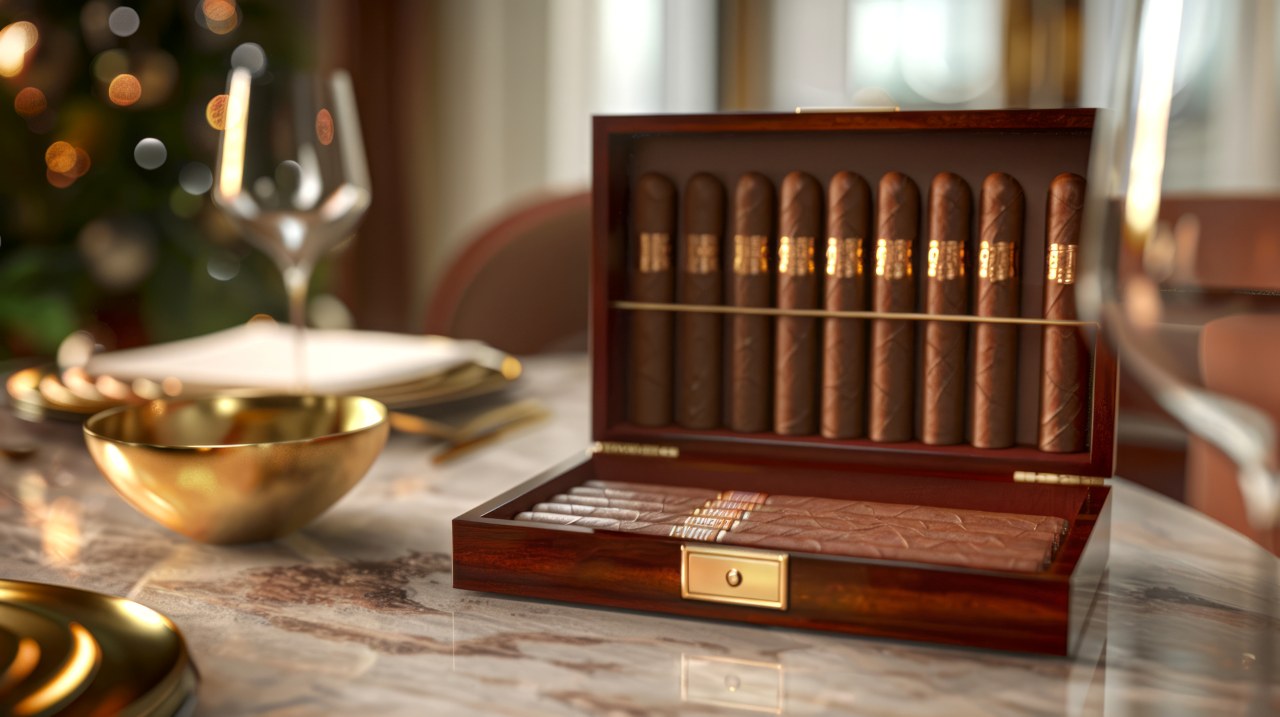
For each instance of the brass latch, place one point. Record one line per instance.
(738, 577)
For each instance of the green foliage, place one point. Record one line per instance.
(48, 283)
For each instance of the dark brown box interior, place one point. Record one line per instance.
(1040, 612)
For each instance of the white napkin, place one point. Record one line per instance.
(260, 355)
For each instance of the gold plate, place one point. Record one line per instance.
(73, 652)
(38, 392)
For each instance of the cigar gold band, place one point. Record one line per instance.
(693, 532)
(726, 513)
(844, 257)
(893, 258)
(1062, 263)
(946, 260)
(702, 254)
(655, 252)
(750, 254)
(997, 261)
(795, 256)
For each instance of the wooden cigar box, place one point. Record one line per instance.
(1040, 612)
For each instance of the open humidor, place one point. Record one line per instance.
(1042, 610)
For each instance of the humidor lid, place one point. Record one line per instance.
(1032, 146)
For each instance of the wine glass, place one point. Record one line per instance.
(291, 172)
(1183, 196)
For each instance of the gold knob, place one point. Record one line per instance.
(733, 577)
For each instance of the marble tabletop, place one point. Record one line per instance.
(356, 613)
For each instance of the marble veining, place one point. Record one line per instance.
(356, 613)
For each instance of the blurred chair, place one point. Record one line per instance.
(521, 283)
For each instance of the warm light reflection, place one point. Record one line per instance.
(113, 388)
(124, 90)
(215, 113)
(171, 386)
(25, 659)
(30, 102)
(80, 665)
(60, 534)
(1158, 48)
(324, 127)
(60, 157)
(15, 41)
(231, 176)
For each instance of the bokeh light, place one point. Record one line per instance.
(123, 21)
(109, 64)
(150, 153)
(215, 113)
(219, 16)
(124, 90)
(251, 57)
(60, 157)
(119, 255)
(16, 40)
(195, 178)
(223, 266)
(59, 180)
(324, 127)
(30, 102)
(83, 162)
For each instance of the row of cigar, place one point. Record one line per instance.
(866, 529)
(804, 375)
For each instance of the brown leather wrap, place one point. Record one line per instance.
(995, 350)
(893, 288)
(698, 336)
(844, 352)
(651, 273)
(796, 357)
(946, 291)
(1064, 375)
(750, 284)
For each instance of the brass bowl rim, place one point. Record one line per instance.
(90, 424)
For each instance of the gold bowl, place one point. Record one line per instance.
(237, 469)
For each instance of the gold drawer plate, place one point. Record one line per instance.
(738, 577)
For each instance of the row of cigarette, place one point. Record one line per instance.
(840, 377)
(946, 536)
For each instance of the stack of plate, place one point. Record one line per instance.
(72, 652)
(402, 371)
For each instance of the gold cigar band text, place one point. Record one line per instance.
(702, 254)
(844, 257)
(750, 254)
(996, 260)
(893, 258)
(795, 256)
(655, 252)
(946, 259)
(1062, 263)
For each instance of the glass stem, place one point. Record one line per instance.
(297, 280)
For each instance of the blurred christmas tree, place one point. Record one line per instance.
(106, 148)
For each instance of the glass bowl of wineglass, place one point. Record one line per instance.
(292, 173)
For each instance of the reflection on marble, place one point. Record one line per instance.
(355, 614)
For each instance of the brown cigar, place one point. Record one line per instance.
(946, 291)
(796, 357)
(893, 288)
(698, 340)
(849, 522)
(969, 519)
(872, 543)
(995, 346)
(652, 274)
(750, 285)
(1064, 375)
(844, 341)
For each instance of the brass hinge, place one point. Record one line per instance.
(1056, 478)
(644, 450)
